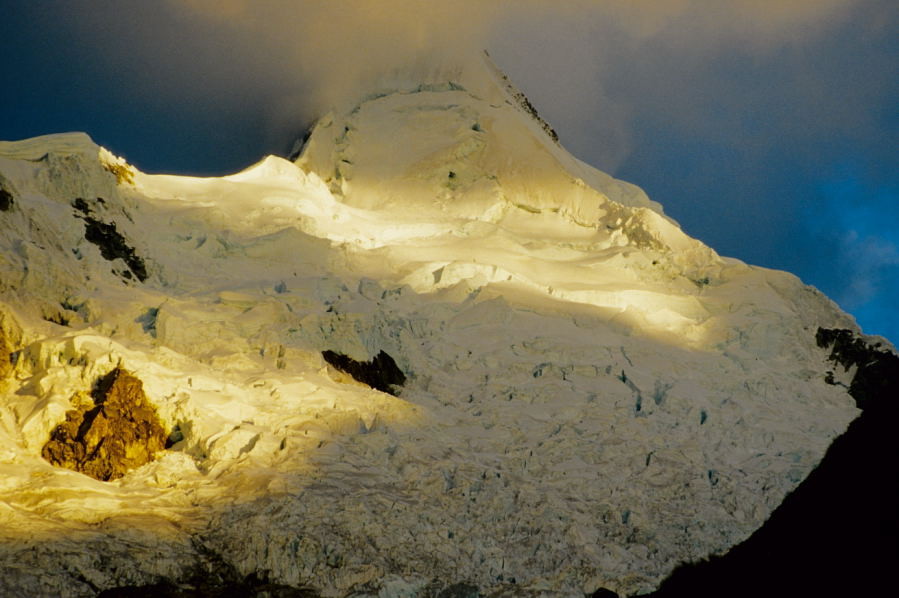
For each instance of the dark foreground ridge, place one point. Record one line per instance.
(837, 534)
(210, 576)
(381, 373)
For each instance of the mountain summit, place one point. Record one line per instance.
(434, 353)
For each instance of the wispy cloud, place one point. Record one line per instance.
(292, 59)
(856, 226)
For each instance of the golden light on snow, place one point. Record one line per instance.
(577, 368)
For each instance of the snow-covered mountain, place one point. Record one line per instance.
(579, 395)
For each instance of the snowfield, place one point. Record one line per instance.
(592, 397)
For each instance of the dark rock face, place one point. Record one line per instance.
(837, 534)
(110, 241)
(526, 105)
(878, 370)
(381, 373)
(460, 590)
(6, 200)
(300, 144)
(116, 434)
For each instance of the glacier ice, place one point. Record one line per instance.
(591, 396)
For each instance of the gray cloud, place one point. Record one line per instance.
(608, 64)
(289, 60)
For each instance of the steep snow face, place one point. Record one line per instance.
(467, 149)
(421, 169)
(591, 397)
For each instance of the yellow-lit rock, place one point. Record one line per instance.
(110, 436)
(6, 350)
(10, 336)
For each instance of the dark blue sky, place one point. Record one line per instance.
(773, 142)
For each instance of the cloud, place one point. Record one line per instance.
(297, 58)
(610, 64)
(760, 24)
(337, 51)
(871, 259)
(869, 291)
(336, 44)
(290, 60)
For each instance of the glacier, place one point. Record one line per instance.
(591, 396)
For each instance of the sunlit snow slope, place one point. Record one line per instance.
(592, 397)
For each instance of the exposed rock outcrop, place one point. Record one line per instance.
(877, 373)
(107, 437)
(381, 373)
(110, 242)
(6, 200)
(6, 356)
(10, 338)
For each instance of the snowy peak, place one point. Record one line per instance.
(588, 396)
(37, 148)
(469, 148)
(429, 165)
(523, 102)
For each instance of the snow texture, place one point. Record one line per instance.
(591, 397)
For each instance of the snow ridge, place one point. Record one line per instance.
(520, 98)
